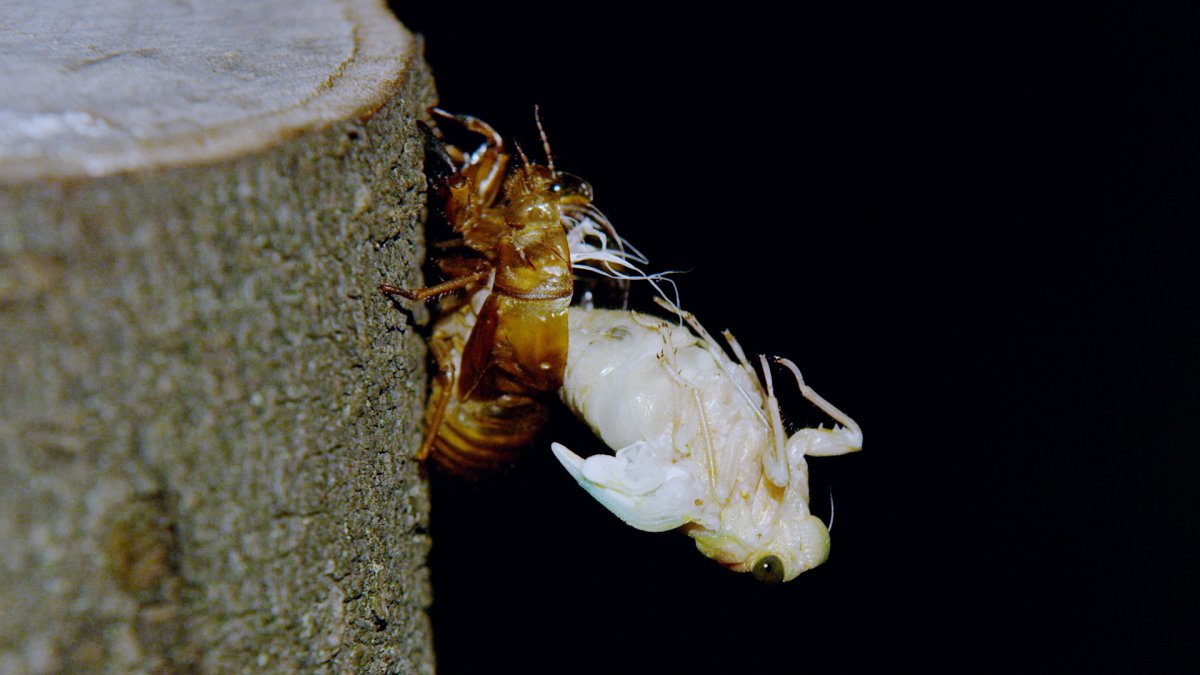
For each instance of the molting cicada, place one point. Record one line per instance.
(700, 443)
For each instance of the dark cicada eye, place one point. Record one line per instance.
(768, 569)
(571, 189)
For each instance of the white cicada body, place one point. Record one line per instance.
(699, 441)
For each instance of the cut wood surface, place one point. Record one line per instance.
(207, 410)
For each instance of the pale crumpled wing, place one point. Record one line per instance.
(637, 486)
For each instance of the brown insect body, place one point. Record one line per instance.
(470, 435)
(499, 360)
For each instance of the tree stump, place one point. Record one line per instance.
(207, 410)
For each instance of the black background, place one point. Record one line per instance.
(975, 231)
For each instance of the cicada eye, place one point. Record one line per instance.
(768, 569)
(571, 189)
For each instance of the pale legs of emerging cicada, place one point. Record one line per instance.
(813, 442)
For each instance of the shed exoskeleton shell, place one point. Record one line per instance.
(500, 342)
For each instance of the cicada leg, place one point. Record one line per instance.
(486, 166)
(774, 463)
(472, 123)
(436, 290)
(444, 387)
(824, 442)
(709, 344)
(465, 271)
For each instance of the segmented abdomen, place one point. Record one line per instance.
(489, 429)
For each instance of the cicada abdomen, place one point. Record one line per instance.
(475, 433)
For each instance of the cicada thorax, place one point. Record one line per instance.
(522, 327)
(502, 360)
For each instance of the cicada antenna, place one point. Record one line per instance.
(537, 117)
(521, 154)
(830, 528)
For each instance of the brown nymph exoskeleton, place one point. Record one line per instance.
(500, 341)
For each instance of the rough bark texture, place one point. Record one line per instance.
(206, 408)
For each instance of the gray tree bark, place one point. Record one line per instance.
(206, 408)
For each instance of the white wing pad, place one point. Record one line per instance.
(636, 486)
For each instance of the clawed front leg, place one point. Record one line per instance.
(823, 442)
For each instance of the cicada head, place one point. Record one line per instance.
(529, 179)
(795, 547)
